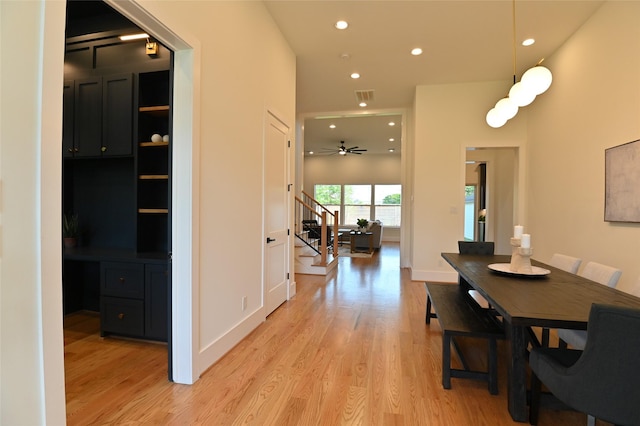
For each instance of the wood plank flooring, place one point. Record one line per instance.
(350, 349)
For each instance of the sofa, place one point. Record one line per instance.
(362, 241)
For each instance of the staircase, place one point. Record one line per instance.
(315, 255)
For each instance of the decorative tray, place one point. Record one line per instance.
(504, 268)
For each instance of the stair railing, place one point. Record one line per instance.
(327, 221)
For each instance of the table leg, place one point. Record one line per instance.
(517, 373)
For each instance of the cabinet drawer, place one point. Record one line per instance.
(122, 279)
(122, 316)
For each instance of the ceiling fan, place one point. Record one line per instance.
(343, 150)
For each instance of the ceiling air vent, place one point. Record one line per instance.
(364, 95)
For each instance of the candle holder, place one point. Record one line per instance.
(520, 257)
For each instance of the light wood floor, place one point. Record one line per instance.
(351, 349)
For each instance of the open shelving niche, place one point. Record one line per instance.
(153, 165)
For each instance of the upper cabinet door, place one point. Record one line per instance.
(117, 108)
(87, 135)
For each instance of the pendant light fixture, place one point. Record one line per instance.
(534, 81)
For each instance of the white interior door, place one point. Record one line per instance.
(276, 212)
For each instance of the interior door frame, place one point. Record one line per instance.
(519, 209)
(185, 169)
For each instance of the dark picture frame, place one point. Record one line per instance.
(622, 183)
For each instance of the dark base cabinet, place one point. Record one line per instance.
(134, 300)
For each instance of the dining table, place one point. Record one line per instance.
(545, 297)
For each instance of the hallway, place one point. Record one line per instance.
(350, 349)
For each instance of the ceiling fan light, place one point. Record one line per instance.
(494, 119)
(507, 108)
(341, 152)
(538, 79)
(521, 95)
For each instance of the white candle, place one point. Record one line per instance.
(525, 241)
(517, 231)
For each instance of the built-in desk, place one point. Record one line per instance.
(129, 289)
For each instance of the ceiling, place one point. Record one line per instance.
(463, 41)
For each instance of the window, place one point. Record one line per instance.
(357, 203)
(329, 196)
(469, 212)
(387, 207)
(373, 202)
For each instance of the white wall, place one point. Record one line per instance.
(31, 76)
(448, 119)
(246, 68)
(593, 104)
(243, 67)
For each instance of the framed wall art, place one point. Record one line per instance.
(622, 183)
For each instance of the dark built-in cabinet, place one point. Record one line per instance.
(134, 299)
(117, 181)
(98, 119)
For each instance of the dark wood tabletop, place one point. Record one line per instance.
(556, 300)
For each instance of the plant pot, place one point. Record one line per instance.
(70, 242)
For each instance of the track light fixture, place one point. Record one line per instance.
(534, 81)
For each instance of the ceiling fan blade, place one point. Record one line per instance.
(353, 147)
(357, 150)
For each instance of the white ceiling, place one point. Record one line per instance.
(463, 41)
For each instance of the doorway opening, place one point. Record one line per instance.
(117, 155)
(492, 184)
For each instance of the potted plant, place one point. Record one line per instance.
(362, 224)
(70, 230)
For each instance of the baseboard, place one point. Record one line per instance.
(218, 348)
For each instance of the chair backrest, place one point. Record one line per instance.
(613, 351)
(602, 274)
(566, 263)
(475, 247)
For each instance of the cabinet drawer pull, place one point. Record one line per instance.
(121, 279)
(103, 149)
(120, 316)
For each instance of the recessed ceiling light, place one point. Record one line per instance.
(391, 139)
(528, 42)
(392, 123)
(355, 75)
(310, 152)
(332, 126)
(391, 150)
(363, 104)
(342, 25)
(416, 51)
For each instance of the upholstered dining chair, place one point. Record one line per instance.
(602, 380)
(566, 263)
(599, 273)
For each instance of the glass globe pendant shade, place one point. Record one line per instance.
(537, 79)
(495, 119)
(507, 108)
(521, 95)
